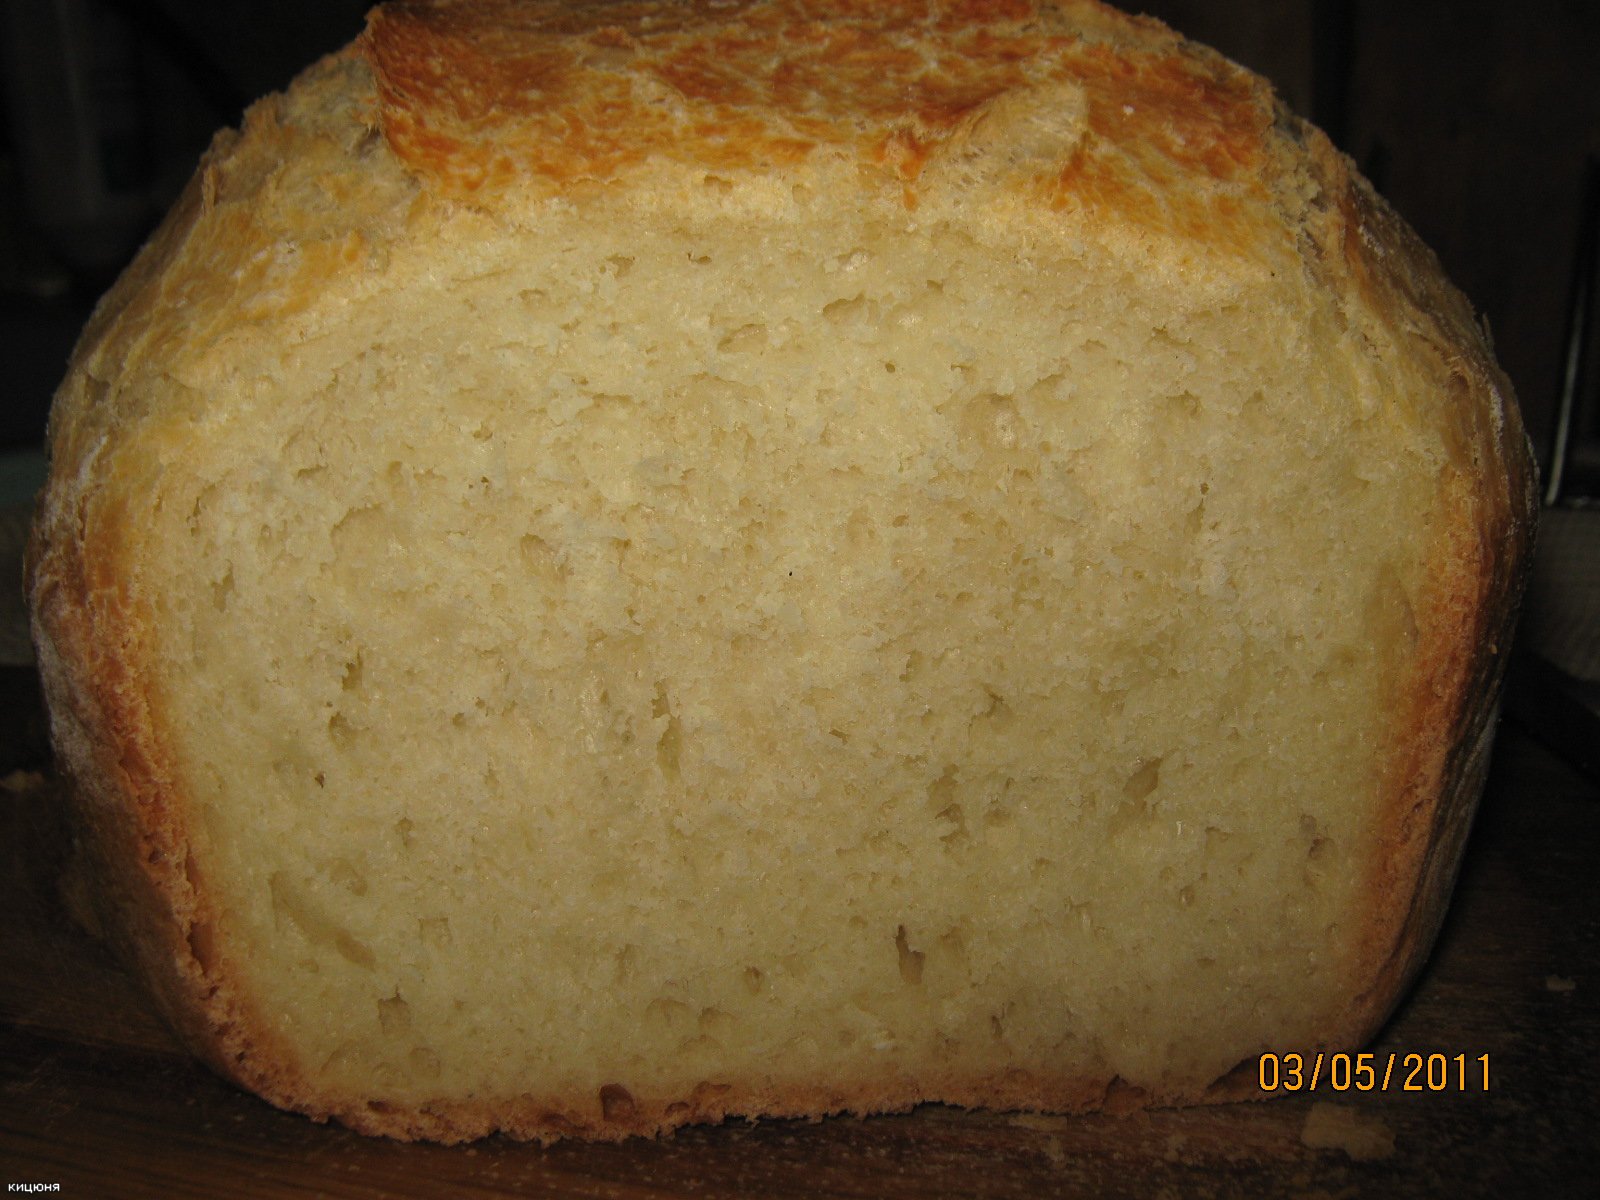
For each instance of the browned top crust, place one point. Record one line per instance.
(478, 95)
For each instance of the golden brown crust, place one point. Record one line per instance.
(487, 97)
(495, 104)
(614, 1113)
(90, 630)
(1439, 743)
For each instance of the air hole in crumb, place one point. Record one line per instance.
(340, 732)
(744, 340)
(910, 960)
(1123, 1097)
(1184, 404)
(669, 746)
(953, 816)
(191, 872)
(856, 312)
(1144, 780)
(540, 560)
(291, 908)
(394, 1015)
(353, 951)
(753, 980)
(1317, 861)
(404, 827)
(715, 1022)
(342, 872)
(705, 1093)
(222, 591)
(665, 1015)
(991, 420)
(616, 1103)
(203, 945)
(996, 709)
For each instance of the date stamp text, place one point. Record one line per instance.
(1373, 1072)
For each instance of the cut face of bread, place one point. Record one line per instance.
(576, 653)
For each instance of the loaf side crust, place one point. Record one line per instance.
(1177, 145)
(1446, 710)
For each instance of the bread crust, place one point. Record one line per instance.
(498, 107)
(1446, 709)
(566, 97)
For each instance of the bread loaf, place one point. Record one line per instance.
(614, 565)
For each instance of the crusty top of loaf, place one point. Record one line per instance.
(1116, 112)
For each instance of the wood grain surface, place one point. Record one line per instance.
(97, 1100)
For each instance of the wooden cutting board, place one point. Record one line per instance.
(96, 1098)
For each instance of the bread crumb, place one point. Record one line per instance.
(1362, 1136)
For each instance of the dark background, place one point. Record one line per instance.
(1475, 118)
